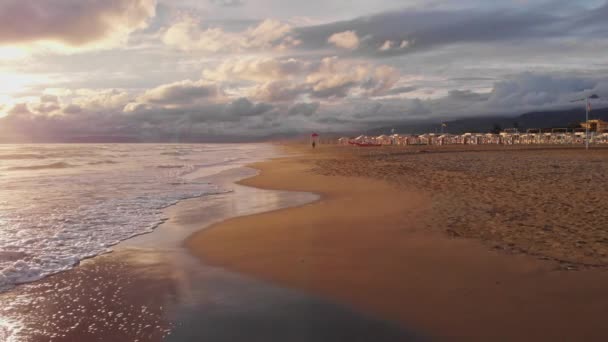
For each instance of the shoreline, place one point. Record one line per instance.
(151, 288)
(368, 245)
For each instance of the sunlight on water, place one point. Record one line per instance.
(9, 330)
(63, 203)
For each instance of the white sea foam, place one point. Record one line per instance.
(52, 218)
(9, 330)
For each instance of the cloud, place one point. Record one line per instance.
(243, 107)
(415, 30)
(287, 79)
(391, 46)
(530, 90)
(259, 69)
(331, 94)
(20, 109)
(279, 91)
(100, 100)
(228, 3)
(306, 109)
(72, 109)
(48, 104)
(336, 78)
(187, 35)
(467, 95)
(72, 23)
(49, 98)
(346, 40)
(401, 90)
(386, 46)
(179, 94)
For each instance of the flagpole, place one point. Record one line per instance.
(587, 124)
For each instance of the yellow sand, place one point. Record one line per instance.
(372, 243)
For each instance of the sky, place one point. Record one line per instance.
(186, 70)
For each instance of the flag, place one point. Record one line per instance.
(443, 124)
(588, 106)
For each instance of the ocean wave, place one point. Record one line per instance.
(58, 165)
(84, 233)
(100, 162)
(170, 166)
(175, 153)
(21, 156)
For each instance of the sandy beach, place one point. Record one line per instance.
(503, 244)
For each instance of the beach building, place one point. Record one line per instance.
(598, 126)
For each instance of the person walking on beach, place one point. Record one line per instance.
(314, 138)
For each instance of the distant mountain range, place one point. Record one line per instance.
(570, 118)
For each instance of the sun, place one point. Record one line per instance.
(11, 53)
(12, 83)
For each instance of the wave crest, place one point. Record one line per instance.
(170, 166)
(21, 156)
(58, 165)
(100, 162)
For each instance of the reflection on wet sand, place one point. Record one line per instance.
(113, 298)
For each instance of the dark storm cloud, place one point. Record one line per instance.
(401, 90)
(466, 95)
(306, 109)
(414, 30)
(243, 107)
(332, 92)
(75, 22)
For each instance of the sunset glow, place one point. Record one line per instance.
(255, 69)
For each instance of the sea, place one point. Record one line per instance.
(62, 203)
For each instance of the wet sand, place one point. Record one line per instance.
(152, 289)
(377, 241)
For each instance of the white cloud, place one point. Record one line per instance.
(390, 45)
(346, 40)
(92, 100)
(278, 91)
(188, 35)
(287, 79)
(337, 77)
(178, 94)
(258, 69)
(386, 46)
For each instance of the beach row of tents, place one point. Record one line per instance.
(475, 139)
